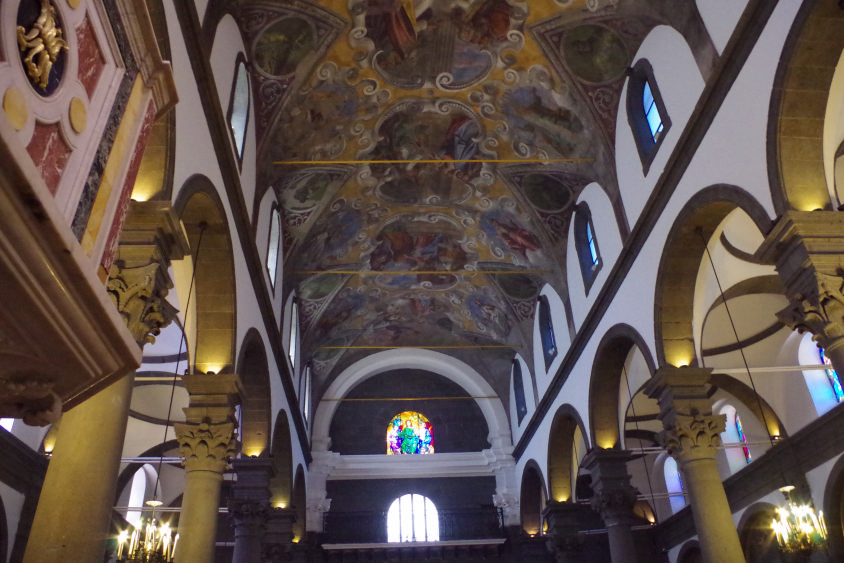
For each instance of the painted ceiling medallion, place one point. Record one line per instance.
(41, 44)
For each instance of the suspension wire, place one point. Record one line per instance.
(738, 341)
(202, 226)
(641, 446)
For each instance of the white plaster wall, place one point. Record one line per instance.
(195, 155)
(609, 243)
(680, 84)
(13, 504)
(228, 44)
(720, 18)
(833, 132)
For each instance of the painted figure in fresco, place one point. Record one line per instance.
(539, 119)
(514, 236)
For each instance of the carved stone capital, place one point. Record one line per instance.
(695, 436)
(248, 514)
(139, 296)
(818, 308)
(206, 447)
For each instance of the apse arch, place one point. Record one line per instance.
(562, 455)
(281, 485)
(255, 409)
(604, 384)
(201, 210)
(679, 264)
(451, 368)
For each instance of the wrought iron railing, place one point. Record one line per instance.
(454, 524)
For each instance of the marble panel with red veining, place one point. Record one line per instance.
(91, 61)
(128, 186)
(49, 153)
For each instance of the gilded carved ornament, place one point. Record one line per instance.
(42, 42)
(133, 291)
(206, 447)
(819, 310)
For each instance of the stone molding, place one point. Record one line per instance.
(694, 436)
(818, 309)
(140, 301)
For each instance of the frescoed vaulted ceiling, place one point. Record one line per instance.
(428, 154)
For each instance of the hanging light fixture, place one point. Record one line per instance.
(798, 528)
(150, 542)
(153, 541)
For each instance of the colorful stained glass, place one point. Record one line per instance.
(832, 375)
(410, 433)
(743, 438)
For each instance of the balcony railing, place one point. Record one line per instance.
(454, 524)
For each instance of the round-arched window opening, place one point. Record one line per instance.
(412, 518)
(410, 433)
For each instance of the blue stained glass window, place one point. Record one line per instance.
(410, 433)
(832, 375)
(590, 240)
(546, 332)
(651, 112)
(743, 438)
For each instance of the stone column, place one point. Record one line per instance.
(808, 251)
(249, 507)
(613, 499)
(692, 435)
(565, 522)
(90, 439)
(278, 538)
(207, 441)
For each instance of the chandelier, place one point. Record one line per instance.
(150, 542)
(798, 528)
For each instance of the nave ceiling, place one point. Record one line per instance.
(428, 155)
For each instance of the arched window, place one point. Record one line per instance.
(306, 393)
(519, 391)
(742, 438)
(832, 375)
(646, 112)
(238, 113)
(586, 245)
(674, 485)
(412, 518)
(546, 332)
(410, 433)
(293, 340)
(274, 244)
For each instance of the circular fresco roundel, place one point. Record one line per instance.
(42, 45)
(595, 53)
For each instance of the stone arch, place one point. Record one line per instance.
(532, 498)
(561, 457)
(754, 402)
(833, 509)
(610, 358)
(281, 485)
(798, 108)
(757, 538)
(678, 267)
(690, 553)
(202, 212)
(255, 410)
(435, 362)
(300, 505)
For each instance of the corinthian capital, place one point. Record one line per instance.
(694, 436)
(818, 308)
(206, 447)
(138, 293)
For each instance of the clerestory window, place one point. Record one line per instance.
(238, 114)
(586, 245)
(646, 112)
(546, 332)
